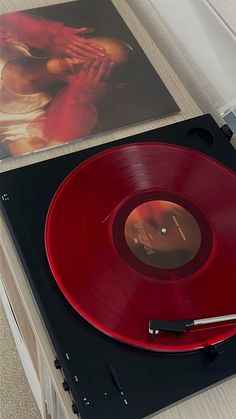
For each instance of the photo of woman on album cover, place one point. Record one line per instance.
(70, 71)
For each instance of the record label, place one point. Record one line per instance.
(162, 234)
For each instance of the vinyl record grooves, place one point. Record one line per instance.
(147, 231)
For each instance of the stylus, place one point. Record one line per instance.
(180, 326)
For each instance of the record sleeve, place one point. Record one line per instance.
(70, 71)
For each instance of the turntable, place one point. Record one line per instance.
(127, 248)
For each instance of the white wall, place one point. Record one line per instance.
(210, 43)
(200, 43)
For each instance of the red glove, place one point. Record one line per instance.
(73, 114)
(50, 35)
(67, 42)
(90, 82)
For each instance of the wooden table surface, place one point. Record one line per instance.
(218, 402)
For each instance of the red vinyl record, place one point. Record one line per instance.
(147, 231)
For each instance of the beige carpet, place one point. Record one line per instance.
(16, 399)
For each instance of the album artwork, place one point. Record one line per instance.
(70, 71)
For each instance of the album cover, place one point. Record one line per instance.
(71, 71)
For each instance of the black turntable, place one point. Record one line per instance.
(109, 378)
